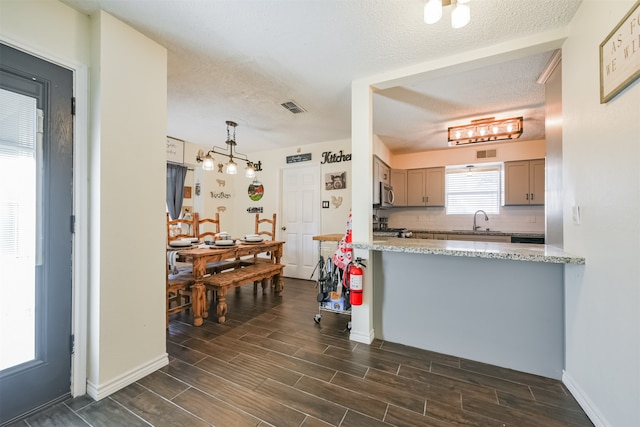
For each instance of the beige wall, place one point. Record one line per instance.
(129, 125)
(601, 153)
(505, 151)
(125, 123)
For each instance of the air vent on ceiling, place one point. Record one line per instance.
(293, 107)
(485, 154)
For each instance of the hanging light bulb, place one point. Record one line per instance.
(432, 11)
(249, 171)
(232, 167)
(207, 163)
(461, 14)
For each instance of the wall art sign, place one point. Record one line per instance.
(335, 181)
(299, 158)
(175, 150)
(620, 56)
(254, 209)
(330, 157)
(220, 195)
(256, 190)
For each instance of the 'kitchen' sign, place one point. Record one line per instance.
(329, 157)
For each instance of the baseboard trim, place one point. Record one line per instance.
(587, 405)
(363, 338)
(100, 391)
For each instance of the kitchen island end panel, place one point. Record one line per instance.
(495, 311)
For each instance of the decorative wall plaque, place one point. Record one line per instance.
(620, 56)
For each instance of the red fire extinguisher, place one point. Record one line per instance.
(356, 281)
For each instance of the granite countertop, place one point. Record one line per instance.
(509, 251)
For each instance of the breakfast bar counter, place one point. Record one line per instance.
(460, 248)
(497, 303)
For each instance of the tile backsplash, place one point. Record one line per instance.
(522, 219)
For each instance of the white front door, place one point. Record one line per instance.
(300, 220)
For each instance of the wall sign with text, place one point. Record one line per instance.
(175, 150)
(620, 56)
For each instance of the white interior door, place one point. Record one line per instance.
(300, 220)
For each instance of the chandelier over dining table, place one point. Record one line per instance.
(231, 167)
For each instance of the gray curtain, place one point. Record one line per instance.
(175, 188)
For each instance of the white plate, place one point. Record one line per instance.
(179, 243)
(191, 239)
(224, 243)
(255, 242)
(253, 238)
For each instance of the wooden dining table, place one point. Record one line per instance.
(199, 257)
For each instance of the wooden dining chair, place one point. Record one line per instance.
(210, 227)
(179, 224)
(178, 284)
(268, 231)
(207, 226)
(264, 227)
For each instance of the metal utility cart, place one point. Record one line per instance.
(327, 280)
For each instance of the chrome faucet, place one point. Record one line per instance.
(486, 218)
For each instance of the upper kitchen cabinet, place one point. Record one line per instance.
(524, 182)
(425, 187)
(381, 174)
(399, 184)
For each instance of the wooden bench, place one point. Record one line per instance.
(224, 281)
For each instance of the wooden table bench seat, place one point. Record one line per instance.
(224, 281)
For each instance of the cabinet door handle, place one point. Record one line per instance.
(531, 196)
(527, 196)
(427, 199)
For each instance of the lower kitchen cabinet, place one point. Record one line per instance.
(480, 238)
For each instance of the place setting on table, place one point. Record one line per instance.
(222, 240)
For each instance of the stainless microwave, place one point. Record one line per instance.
(386, 195)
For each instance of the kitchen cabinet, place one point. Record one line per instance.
(399, 184)
(480, 238)
(381, 174)
(524, 182)
(425, 187)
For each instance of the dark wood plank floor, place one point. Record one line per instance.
(270, 364)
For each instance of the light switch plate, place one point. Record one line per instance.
(325, 204)
(575, 212)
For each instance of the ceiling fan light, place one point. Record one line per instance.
(460, 16)
(432, 11)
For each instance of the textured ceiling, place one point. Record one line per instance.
(240, 59)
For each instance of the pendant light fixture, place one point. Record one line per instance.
(485, 130)
(231, 167)
(460, 15)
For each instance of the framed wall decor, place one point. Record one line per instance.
(175, 150)
(335, 181)
(620, 56)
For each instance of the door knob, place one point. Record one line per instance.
(283, 228)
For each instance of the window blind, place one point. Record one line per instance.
(466, 192)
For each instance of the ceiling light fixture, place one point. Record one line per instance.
(231, 166)
(460, 15)
(485, 130)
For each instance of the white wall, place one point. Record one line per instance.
(601, 150)
(333, 220)
(236, 220)
(128, 273)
